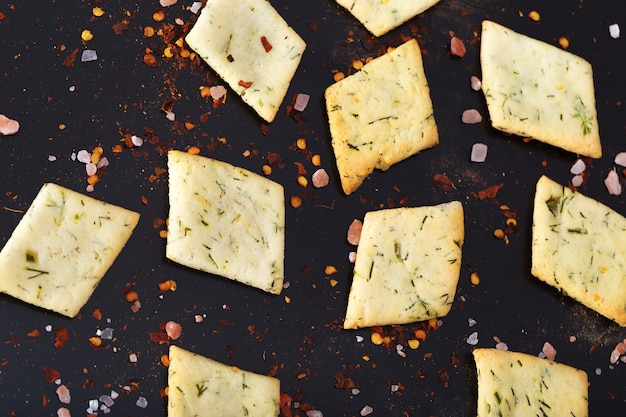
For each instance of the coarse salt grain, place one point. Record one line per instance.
(479, 152)
(359, 339)
(614, 30)
(173, 329)
(471, 116)
(578, 167)
(166, 3)
(64, 394)
(549, 351)
(63, 412)
(88, 55)
(475, 83)
(320, 178)
(502, 346)
(354, 232)
(142, 402)
(217, 92)
(195, 7)
(314, 413)
(598, 371)
(472, 339)
(577, 180)
(91, 169)
(612, 183)
(103, 162)
(367, 410)
(302, 100)
(132, 357)
(620, 159)
(352, 257)
(355, 391)
(171, 116)
(137, 141)
(52, 158)
(471, 322)
(8, 126)
(83, 156)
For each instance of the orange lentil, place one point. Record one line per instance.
(117, 148)
(302, 181)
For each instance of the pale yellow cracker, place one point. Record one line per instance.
(513, 384)
(578, 247)
(380, 115)
(226, 220)
(380, 16)
(62, 247)
(407, 265)
(251, 47)
(200, 386)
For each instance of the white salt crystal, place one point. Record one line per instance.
(614, 30)
(577, 180)
(91, 169)
(137, 141)
(142, 402)
(366, 411)
(171, 116)
(52, 158)
(195, 7)
(302, 100)
(83, 156)
(314, 413)
(471, 322)
(472, 339)
(88, 55)
(578, 167)
(359, 339)
(103, 162)
(612, 183)
(479, 152)
(620, 159)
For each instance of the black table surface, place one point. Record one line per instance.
(66, 105)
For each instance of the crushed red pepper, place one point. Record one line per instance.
(266, 44)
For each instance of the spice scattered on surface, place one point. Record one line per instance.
(173, 330)
(443, 182)
(578, 167)
(475, 83)
(8, 126)
(457, 47)
(472, 339)
(366, 411)
(577, 180)
(534, 16)
(320, 178)
(612, 183)
(354, 232)
(549, 351)
(302, 100)
(620, 159)
(471, 116)
(64, 394)
(63, 412)
(89, 55)
(479, 152)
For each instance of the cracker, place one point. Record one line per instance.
(62, 248)
(226, 220)
(578, 247)
(407, 265)
(516, 384)
(251, 47)
(380, 115)
(379, 17)
(200, 386)
(534, 89)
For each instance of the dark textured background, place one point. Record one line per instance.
(118, 93)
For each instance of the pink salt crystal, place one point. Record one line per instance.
(457, 47)
(578, 167)
(620, 159)
(217, 92)
(8, 126)
(352, 257)
(475, 83)
(63, 412)
(471, 116)
(91, 169)
(549, 351)
(320, 178)
(354, 232)
(302, 100)
(173, 329)
(577, 180)
(64, 394)
(167, 3)
(612, 183)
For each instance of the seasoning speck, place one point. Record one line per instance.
(354, 232)
(479, 152)
(620, 159)
(578, 167)
(64, 394)
(314, 413)
(457, 47)
(302, 100)
(63, 412)
(88, 55)
(366, 411)
(472, 339)
(320, 178)
(8, 126)
(612, 183)
(471, 116)
(549, 351)
(614, 30)
(142, 402)
(475, 83)
(173, 330)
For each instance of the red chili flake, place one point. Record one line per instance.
(301, 169)
(34, 333)
(120, 27)
(265, 128)
(51, 373)
(443, 182)
(97, 314)
(159, 337)
(274, 160)
(457, 47)
(443, 378)
(158, 222)
(144, 200)
(71, 59)
(2, 16)
(343, 381)
(266, 44)
(245, 84)
(285, 403)
(61, 337)
(489, 192)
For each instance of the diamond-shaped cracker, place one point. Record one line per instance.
(200, 386)
(226, 220)
(62, 247)
(515, 384)
(381, 16)
(578, 247)
(407, 265)
(251, 47)
(380, 115)
(534, 89)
